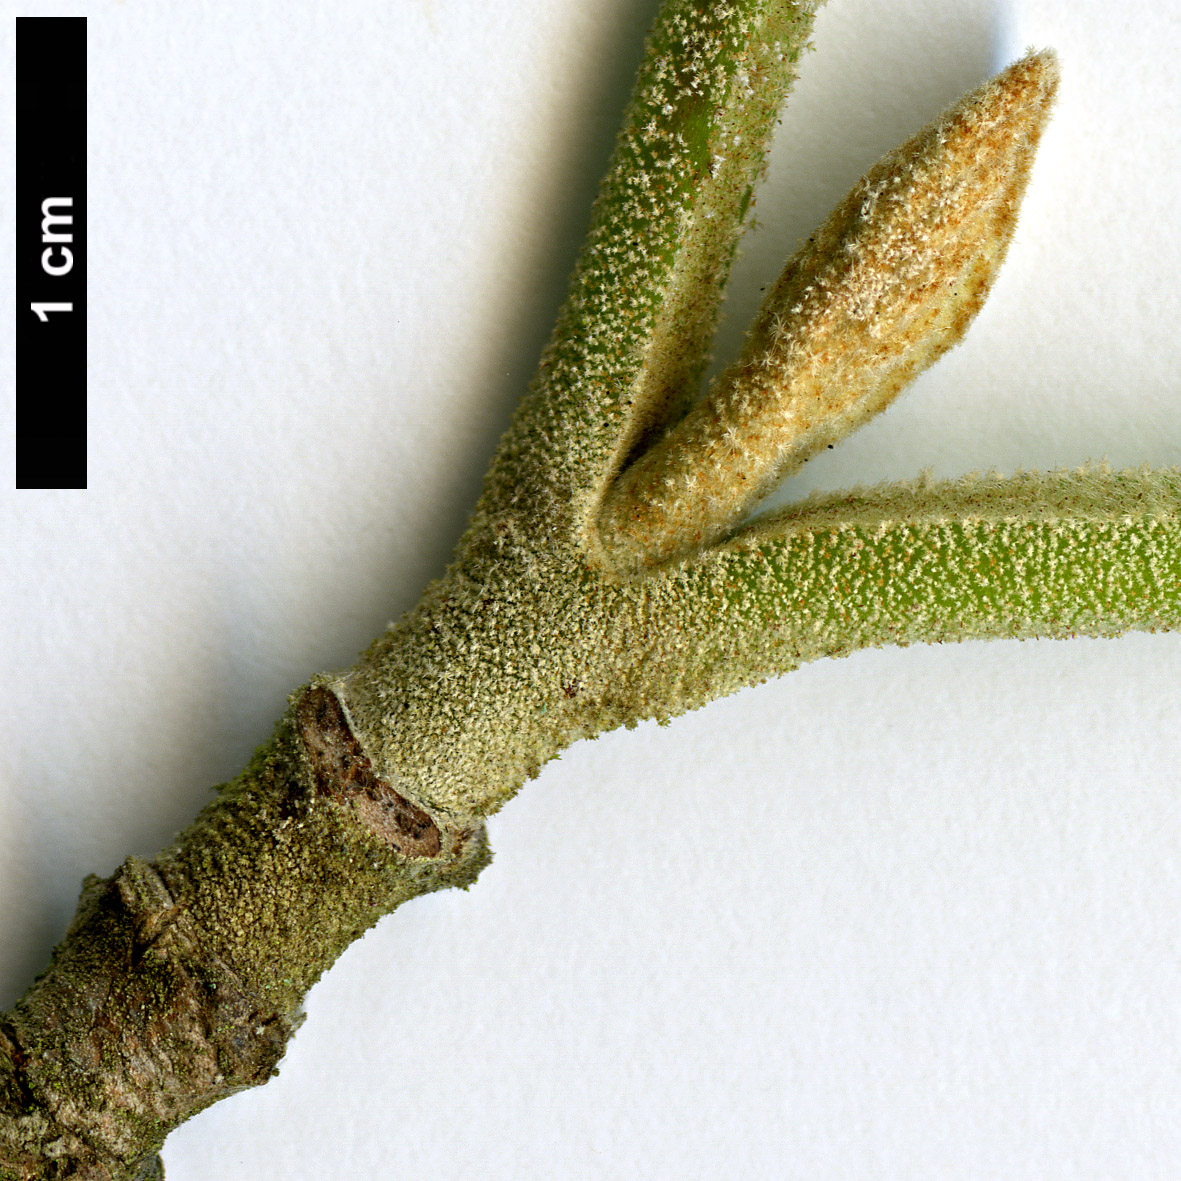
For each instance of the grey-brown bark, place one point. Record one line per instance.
(179, 981)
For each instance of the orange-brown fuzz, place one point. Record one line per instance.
(883, 289)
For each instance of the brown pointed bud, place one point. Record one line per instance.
(884, 288)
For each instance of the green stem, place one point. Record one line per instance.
(634, 334)
(1091, 552)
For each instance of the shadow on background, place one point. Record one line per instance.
(867, 89)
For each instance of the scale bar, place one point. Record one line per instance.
(50, 252)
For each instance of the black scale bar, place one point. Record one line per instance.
(51, 252)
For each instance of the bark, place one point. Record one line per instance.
(179, 980)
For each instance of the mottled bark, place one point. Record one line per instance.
(180, 979)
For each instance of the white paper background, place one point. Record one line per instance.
(913, 914)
